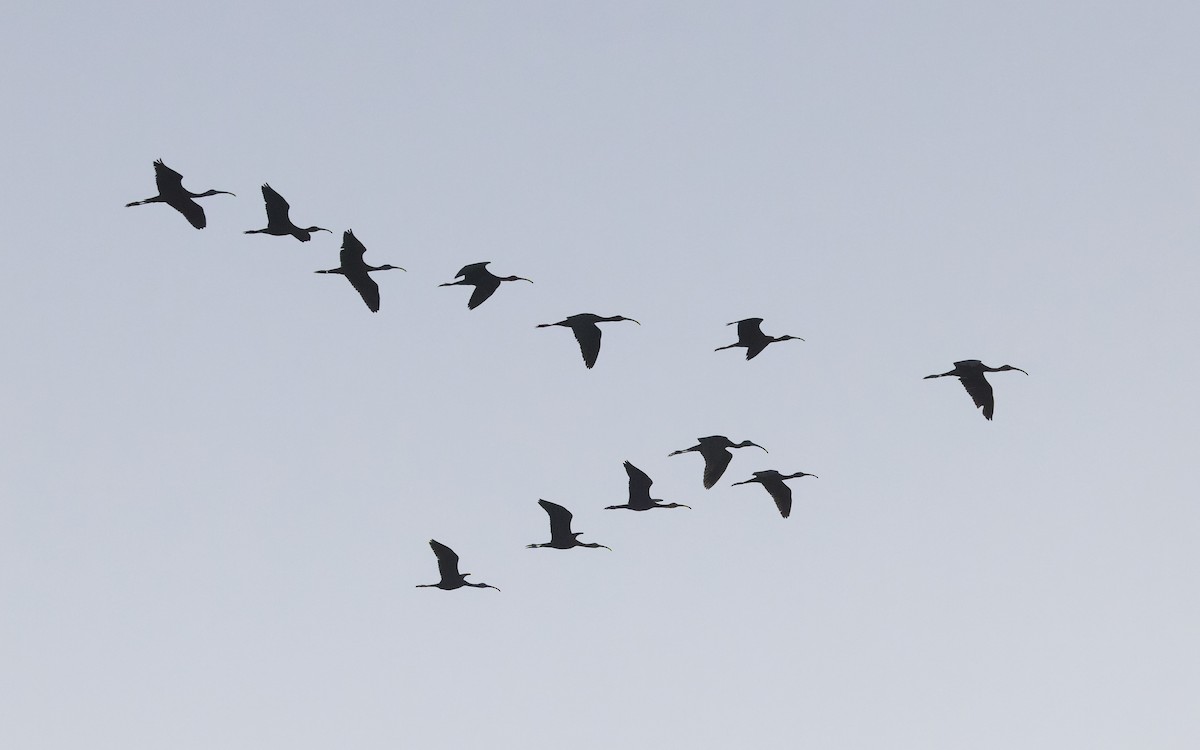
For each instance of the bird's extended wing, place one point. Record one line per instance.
(167, 179)
(588, 336)
(447, 560)
(277, 207)
(352, 250)
(715, 463)
(560, 519)
(472, 269)
(484, 288)
(981, 392)
(639, 485)
(366, 287)
(782, 495)
(749, 329)
(190, 209)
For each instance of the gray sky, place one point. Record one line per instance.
(220, 471)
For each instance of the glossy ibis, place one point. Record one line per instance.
(639, 492)
(587, 333)
(172, 192)
(773, 482)
(715, 451)
(278, 223)
(970, 373)
(485, 282)
(356, 270)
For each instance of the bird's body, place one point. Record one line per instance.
(715, 450)
(773, 482)
(485, 282)
(587, 333)
(970, 372)
(639, 492)
(750, 335)
(356, 270)
(448, 568)
(278, 222)
(561, 536)
(172, 192)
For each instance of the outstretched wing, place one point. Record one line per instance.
(167, 179)
(484, 288)
(748, 329)
(639, 485)
(447, 560)
(190, 209)
(981, 392)
(588, 336)
(352, 251)
(781, 494)
(715, 463)
(472, 269)
(560, 519)
(277, 207)
(366, 286)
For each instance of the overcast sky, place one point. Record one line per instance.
(220, 471)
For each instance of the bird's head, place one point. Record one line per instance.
(318, 229)
(1010, 367)
(622, 317)
(747, 444)
(390, 267)
(786, 337)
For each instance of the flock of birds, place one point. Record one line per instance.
(714, 449)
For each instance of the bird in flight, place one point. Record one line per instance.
(172, 192)
(561, 536)
(485, 282)
(750, 335)
(356, 270)
(773, 482)
(715, 451)
(278, 223)
(639, 492)
(448, 567)
(970, 373)
(587, 333)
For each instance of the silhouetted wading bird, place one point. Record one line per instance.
(172, 192)
(780, 492)
(752, 337)
(587, 333)
(485, 282)
(715, 450)
(639, 492)
(970, 373)
(561, 536)
(355, 269)
(448, 567)
(278, 222)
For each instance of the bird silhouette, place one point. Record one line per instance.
(561, 536)
(356, 270)
(485, 282)
(448, 567)
(278, 223)
(172, 192)
(639, 492)
(970, 373)
(587, 333)
(773, 482)
(750, 335)
(715, 450)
